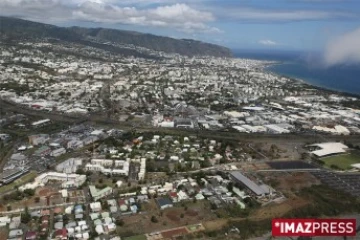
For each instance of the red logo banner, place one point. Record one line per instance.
(313, 227)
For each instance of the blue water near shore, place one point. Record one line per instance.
(344, 78)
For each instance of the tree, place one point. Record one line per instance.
(230, 186)
(154, 219)
(106, 205)
(80, 171)
(29, 192)
(119, 222)
(213, 206)
(26, 217)
(66, 219)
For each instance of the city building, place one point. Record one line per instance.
(97, 194)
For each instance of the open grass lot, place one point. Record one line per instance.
(343, 161)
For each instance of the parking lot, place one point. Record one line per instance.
(347, 182)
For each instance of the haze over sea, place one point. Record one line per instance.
(308, 67)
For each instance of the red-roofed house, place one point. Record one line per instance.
(174, 196)
(61, 234)
(44, 227)
(45, 212)
(30, 235)
(45, 219)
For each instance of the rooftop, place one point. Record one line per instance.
(163, 201)
(98, 192)
(329, 148)
(248, 183)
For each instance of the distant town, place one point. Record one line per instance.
(175, 92)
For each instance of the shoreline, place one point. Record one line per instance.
(306, 82)
(275, 61)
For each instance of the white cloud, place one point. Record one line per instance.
(180, 17)
(264, 15)
(267, 42)
(344, 49)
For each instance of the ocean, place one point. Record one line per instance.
(307, 67)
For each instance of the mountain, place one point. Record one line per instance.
(14, 28)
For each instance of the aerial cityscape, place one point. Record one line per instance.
(110, 133)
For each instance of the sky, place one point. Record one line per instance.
(330, 26)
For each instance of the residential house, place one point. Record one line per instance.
(61, 234)
(164, 203)
(31, 235)
(95, 206)
(174, 197)
(16, 233)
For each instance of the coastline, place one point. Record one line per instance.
(307, 82)
(338, 79)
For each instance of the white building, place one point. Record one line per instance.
(109, 167)
(40, 123)
(326, 149)
(68, 180)
(95, 206)
(97, 194)
(58, 152)
(75, 144)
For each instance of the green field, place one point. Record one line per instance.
(343, 161)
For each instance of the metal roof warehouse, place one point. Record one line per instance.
(236, 175)
(330, 148)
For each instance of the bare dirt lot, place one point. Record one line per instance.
(278, 210)
(215, 224)
(3, 233)
(290, 181)
(45, 191)
(174, 217)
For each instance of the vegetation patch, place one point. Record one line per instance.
(325, 201)
(341, 162)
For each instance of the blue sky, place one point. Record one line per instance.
(251, 24)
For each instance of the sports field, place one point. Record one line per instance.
(342, 161)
